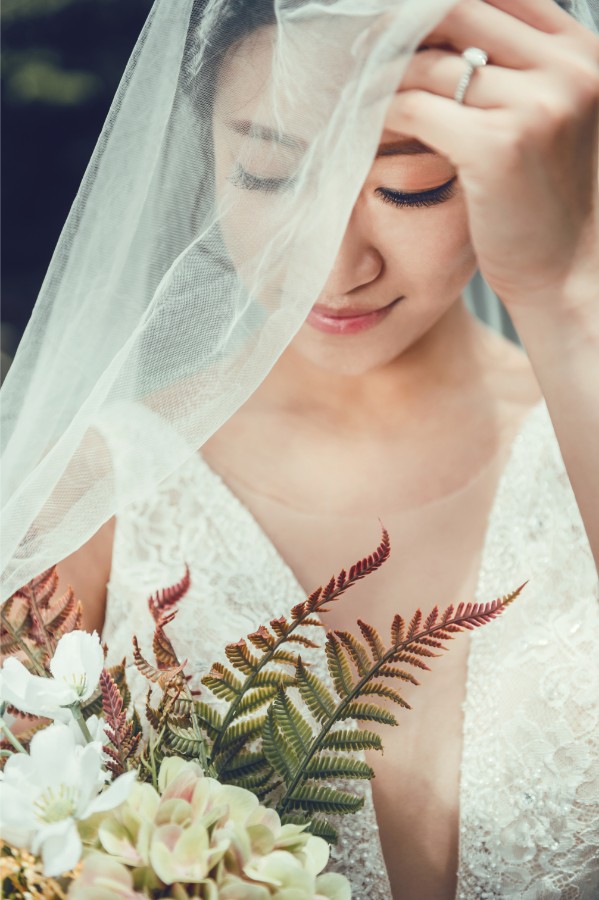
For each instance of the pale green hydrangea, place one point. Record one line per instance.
(197, 837)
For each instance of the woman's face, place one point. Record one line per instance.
(407, 263)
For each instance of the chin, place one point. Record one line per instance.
(350, 355)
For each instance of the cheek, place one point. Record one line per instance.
(431, 247)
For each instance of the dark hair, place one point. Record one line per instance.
(235, 20)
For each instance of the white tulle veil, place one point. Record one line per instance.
(156, 321)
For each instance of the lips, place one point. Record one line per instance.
(349, 312)
(347, 321)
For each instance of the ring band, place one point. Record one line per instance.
(474, 58)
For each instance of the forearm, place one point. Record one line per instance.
(563, 348)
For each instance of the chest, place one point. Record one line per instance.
(434, 560)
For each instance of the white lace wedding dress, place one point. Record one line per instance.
(529, 788)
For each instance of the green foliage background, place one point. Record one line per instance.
(61, 63)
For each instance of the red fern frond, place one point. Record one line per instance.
(373, 639)
(431, 619)
(69, 618)
(43, 586)
(356, 651)
(414, 624)
(162, 677)
(410, 659)
(280, 626)
(166, 658)
(262, 639)
(240, 656)
(118, 729)
(398, 629)
(163, 600)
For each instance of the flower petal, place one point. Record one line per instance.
(79, 659)
(18, 823)
(32, 693)
(103, 878)
(60, 846)
(333, 886)
(115, 794)
(52, 753)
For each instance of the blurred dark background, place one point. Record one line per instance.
(61, 63)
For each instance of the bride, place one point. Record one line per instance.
(390, 401)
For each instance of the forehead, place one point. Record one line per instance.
(248, 92)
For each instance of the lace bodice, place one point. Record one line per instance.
(529, 789)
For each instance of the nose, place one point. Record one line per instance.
(358, 262)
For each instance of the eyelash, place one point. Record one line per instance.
(419, 198)
(250, 182)
(431, 197)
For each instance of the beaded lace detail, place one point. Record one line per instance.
(529, 794)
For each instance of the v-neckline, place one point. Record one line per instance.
(261, 535)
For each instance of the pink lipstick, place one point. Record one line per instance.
(350, 321)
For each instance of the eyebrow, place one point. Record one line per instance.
(264, 133)
(405, 147)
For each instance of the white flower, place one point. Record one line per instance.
(96, 727)
(45, 792)
(75, 667)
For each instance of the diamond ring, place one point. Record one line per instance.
(474, 58)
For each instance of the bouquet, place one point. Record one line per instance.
(103, 800)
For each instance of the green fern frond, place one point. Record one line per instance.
(383, 690)
(284, 656)
(258, 783)
(338, 666)
(314, 693)
(351, 739)
(324, 765)
(255, 698)
(367, 712)
(356, 651)
(282, 758)
(322, 798)
(221, 686)
(296, 732)
(246, 763)
(245, 730)
(183, 740)
(270, 677)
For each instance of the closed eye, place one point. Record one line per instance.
(419, 198)
(240, 178)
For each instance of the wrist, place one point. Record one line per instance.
(564, 321)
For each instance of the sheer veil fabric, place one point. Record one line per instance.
(155, 311)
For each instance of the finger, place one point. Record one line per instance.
(440, 123)
(439, 73)
(545, 15)
(508, 41)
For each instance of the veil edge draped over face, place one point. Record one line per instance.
(168, 300)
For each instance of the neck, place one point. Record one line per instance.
(441, 367)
